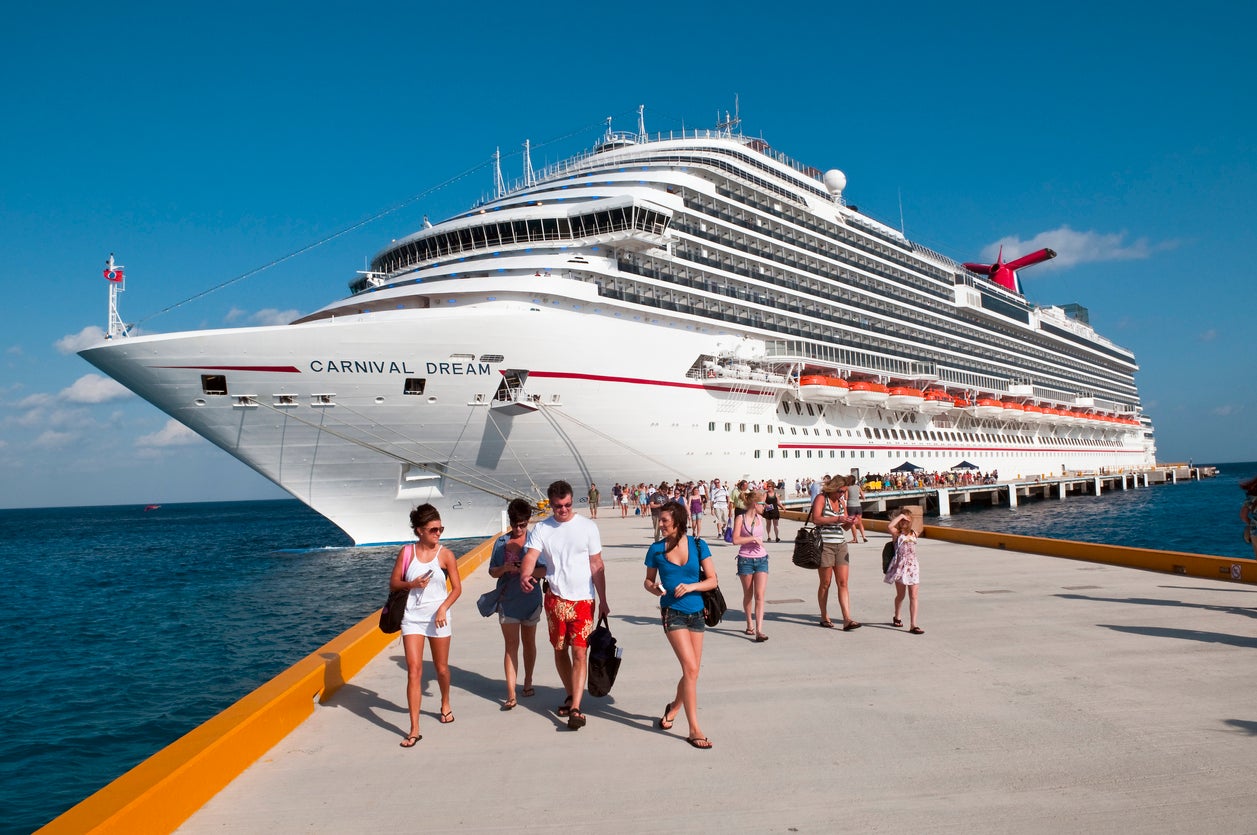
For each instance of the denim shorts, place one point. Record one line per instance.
(752, 565)
(674, 620)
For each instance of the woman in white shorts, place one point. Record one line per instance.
(424, 568)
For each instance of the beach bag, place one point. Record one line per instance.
(888, 554)
(487, 603)
(728, 534)
(604, 659)
(714, 606)
(395, 606)
(807, 547)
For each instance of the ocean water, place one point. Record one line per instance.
(125, 629)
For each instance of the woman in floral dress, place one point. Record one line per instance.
(903, 571)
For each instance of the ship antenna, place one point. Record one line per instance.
(528, 175)
(730, 122)
(901, 229)
(499, 185)
(114, 275)
(641, 123)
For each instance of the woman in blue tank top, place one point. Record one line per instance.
(672, 574)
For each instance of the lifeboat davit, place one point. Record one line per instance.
(815, 388)
(903, 397)
(988, 407)
(861, 393)
(935, 402)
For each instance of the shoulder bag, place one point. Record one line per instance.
(395, 606)
(714, 606)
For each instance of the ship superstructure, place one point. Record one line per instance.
(688, 305)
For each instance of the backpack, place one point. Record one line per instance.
(604, 659)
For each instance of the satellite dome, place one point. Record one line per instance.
(835, 181)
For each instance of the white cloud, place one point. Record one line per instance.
(173, 433)
(55, 440)
(1227, 410)
(1209, 335)
(34, 401)
(235, 314)
(1073, 248)
(93, 388)
(75, 342)
(14, 350)
(271, 316)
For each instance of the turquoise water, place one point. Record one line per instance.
(125, 629)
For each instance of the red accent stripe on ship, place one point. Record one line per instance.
(278, 369)
(637, 381)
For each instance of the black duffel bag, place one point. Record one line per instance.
(604, 659)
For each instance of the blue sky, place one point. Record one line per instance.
(199, 142)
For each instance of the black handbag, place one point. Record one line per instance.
(714, 606)
(807, 547)
(394, 610)
(395, 606)
(604, 659)
(888, 554)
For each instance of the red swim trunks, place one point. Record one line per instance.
(570, 621)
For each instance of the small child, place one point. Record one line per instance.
(904, 572)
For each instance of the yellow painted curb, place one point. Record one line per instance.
(166, 789)
(1168, 562)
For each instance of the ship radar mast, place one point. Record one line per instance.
(731, 123)
(117, 283)
(499, 185)
(641, 123)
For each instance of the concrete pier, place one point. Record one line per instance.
(1047, 695)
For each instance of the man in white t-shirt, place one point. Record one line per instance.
(570, 547)
(719, 505)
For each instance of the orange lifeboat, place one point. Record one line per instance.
(903, 397)
(817, 388)
(861, 393)
(988, 407)
(936, 402)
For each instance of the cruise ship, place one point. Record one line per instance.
(682, 305)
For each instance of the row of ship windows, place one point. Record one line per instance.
(896, 362)
(832, 231)
(924, 435)
(708, 206)
(945, 322)
(532, 230)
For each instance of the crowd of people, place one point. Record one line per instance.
(556, 570)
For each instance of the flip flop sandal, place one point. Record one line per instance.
(528, 692)
(827, 624)
(447, 716)
(700, 742)
(509, 704)
(896, 622)
(665, 724)
(565, 708)
(916, 630)
(855, 624)
(409, 742)
(575, 720)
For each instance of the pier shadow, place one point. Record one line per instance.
(1184, 635)
(1153, 601)
(1246, 726)
(1203, 588)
